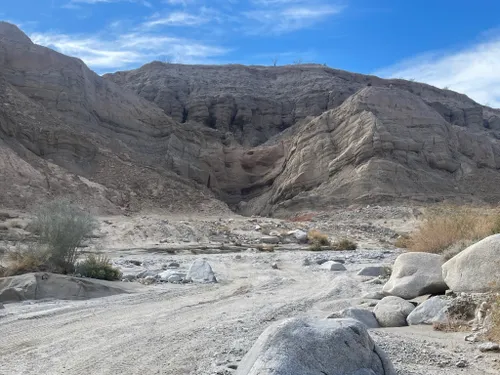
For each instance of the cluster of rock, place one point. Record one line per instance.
(424, 290)
(414, 294)
(200, 271)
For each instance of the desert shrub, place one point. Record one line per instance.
(61, 228)
(494, 331)
(316, 237)
(344, 244)
(98, 267)
(443, 227)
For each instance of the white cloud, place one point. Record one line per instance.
(473, 71)
(279, 20)
(176, 19)
(73, 3)
(128, 50)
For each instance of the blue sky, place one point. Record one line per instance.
(442, 42)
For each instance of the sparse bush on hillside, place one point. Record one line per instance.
(445, 227)
(61, 229)
(98, 267)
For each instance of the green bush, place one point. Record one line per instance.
(61, 229)
(98, 267)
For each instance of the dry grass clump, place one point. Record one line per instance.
(316, 237)
(20, 261)
(494, 331)
(403, 241)
(452, 325)
(98, 267)
(344, 244)
(445, 226)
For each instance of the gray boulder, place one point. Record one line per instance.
(392, 311)
(374, 271)
(431, 311)
(361, 315)
(333, 266)
(476, 269)
(36, 286)
(201, 272)
(312, 347)
(300, 236)
(172, 276)
(415, 274)
(489, 347)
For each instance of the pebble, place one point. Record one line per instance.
(461, 364)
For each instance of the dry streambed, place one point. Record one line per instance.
(197, 328)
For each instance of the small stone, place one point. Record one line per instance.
(461, 364)
(333, 266)
(373, 271)
(489, 347)
(237, 257)
(233, 366)
(274, 266)
(173, 265)
(270, 240)
(1, 306)
(306, 262)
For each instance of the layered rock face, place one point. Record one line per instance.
(264, 140)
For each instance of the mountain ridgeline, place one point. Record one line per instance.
(262, 140)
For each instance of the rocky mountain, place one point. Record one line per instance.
(264, 140)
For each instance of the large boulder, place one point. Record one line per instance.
(361, 315)
(431, 311)
(35, 286)
(201, 272)
(312, 347)
(392, 311)
(415, 274)
(476, 269)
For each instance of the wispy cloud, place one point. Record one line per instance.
(105, 54)
(472, 71)
(176, 19)
(283, 16)
(74, 3)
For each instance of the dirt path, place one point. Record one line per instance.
(200, 329)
